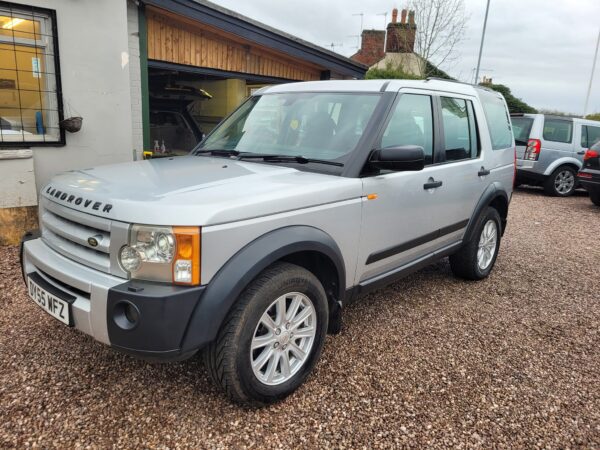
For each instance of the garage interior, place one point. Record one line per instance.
(201, 61)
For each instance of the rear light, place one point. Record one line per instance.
(584, 175)
(532, 152)
(589, 154)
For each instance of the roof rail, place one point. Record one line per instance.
(478, 86)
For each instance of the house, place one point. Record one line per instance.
(393, 47)
(84, 83)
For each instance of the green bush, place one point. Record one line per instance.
(594, 116)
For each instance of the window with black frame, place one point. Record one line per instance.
(30, 103)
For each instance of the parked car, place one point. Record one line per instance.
(173, 130)
(589, 175)
(550, 150)
(306, 197)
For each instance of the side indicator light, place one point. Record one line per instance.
(372, 197)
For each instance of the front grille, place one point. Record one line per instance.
(67, 231)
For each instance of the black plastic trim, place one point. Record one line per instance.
(163, 311)
(491, 193)
(382, 254)
(385, 279)
(28, 236)
(229, 282)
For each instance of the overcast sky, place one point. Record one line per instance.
(542, 49)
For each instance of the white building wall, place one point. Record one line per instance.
(96, 67)
(135, 79)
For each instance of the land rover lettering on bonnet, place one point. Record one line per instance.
(78, 200)
(248, 249)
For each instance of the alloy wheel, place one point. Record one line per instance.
(283, 338)
(487, 244)
(564, 182)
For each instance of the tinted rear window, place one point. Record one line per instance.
(558, 130)
(589, 136)
(498, 121)
(521, 129)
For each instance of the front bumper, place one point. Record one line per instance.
(161, 312)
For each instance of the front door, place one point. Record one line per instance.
(400, 214)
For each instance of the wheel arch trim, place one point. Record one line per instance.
(565, 161)
(492, 193)
(239, 271)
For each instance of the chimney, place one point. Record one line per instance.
(371, 47)
(395, 15)
(401, 36)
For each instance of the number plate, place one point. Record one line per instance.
(53, 305)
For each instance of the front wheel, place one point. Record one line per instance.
(561, 183)
(475, 260)
(272, 338)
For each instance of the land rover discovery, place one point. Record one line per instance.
(248, 249)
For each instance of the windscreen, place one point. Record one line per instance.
(521, 129)
(315, 125)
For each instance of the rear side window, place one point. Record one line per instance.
(521, 129)
(411, 123)
(558, 130)
(498, 121)
(589, 136)
(460, 136)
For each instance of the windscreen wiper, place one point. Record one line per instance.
(287, 158)
(218, 152)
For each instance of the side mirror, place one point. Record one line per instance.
(401, 158)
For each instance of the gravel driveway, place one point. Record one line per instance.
(430, 361)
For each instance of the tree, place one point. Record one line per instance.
(515, 105)
(389, 72)
(595, 116)
(440, 26)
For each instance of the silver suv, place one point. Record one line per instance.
(550, 150)
(307, 196)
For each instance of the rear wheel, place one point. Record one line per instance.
(272, 338)
(561, 183)
(595, 197)
(475, 260)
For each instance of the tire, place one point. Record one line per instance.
(562, 182)
(229, 359)
(595, 197)
(465, 263)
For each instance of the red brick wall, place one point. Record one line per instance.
(371, 50)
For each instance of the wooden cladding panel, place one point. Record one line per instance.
(172, 40)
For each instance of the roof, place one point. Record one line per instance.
(373, 86)
(232, 22)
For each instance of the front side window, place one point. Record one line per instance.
(460, 133)
(411, 123)
(558, 130)
(589, 136)
(498, 120)
(30, 108)
(314, 125)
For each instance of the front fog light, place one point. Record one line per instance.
(130, 258)
(182, 271)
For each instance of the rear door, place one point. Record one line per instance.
(557, 140)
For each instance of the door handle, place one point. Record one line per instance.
(581, 152)
(432, 184)
(483, 172)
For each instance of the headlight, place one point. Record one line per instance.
(168, 254)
